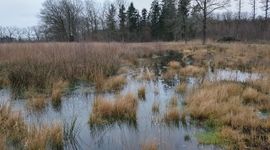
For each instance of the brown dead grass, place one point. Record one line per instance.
(226, 103)
(150, 145)
(15, 131)
(181, 88)
(141, 93)
(37, 103)
(44, 137)
(170, 74)
(174, 65)
(12, 126)
(3, 82)
(173, 102)
(172, 114)
(123, 108)
(114, 83)
(156, 107)
(58, 89)
(2, 143)
(192, 71)
(146, 75)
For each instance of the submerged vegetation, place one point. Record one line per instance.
(150, 145)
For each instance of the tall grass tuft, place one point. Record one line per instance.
(57, 91)
(115, 83)
(37, 103)
(141, 93)
(234, 107)
(123, 108)
(71, 132)
(16, 134)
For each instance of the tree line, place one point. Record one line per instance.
(166, 20)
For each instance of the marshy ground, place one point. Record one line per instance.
(134, 96)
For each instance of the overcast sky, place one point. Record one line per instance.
(23, 13)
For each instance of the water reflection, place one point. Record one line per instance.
(127, 135)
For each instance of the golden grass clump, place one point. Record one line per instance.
(192, 71)
(3, 81)
(58, 90)
(37, 103)
(174, 65)
(172, 114)
(233, 139)
(250, 95)
(173, 102)
(224, 102)
(181, 88)
(170, 74)
(2, 142)
(45, 137)
(124, 108)
(146, 75)
(262, 85)
(15, 131)
(12, 128)
(114, 83)
(156, 107)
(150, 145)
(141, 93)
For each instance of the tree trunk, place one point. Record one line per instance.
(254, 9)
(204, 22)
(266, 9)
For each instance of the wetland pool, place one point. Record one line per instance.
(78, 103)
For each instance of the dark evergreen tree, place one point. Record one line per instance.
(168, 20)
(145, 31)
(133, 19)
(144, 18)
(122, 22)
(183, 12)
(154, 17)
(111, 22)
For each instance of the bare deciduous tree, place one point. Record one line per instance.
(208, 7)
(11, 32)
(61, 18)
(266, 7)
(91, 17)
(253, 4)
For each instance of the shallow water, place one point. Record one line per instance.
(232, 75)
(78, 104)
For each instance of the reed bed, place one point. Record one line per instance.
(16, 134)
(39, 65)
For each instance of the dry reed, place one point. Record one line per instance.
(236, 108)
(123, 108)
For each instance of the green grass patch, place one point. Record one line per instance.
(209, 137)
